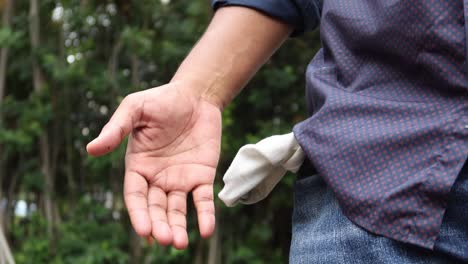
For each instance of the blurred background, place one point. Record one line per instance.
(64, 67)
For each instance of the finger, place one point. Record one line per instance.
(135, 194)
(119, 126)
(176, 213)
(203, 200)
(157, 204)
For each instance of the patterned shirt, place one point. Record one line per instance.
(388, 102)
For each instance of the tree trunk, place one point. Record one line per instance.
(49, 185)
(34, 34)
(6, 22)
(135, 71)
(70, 172)
(214, 249)
(136, 249)
(69, 151)
(44, 144)
(5, 252)
(199, 252)
(10, 196)
(113, 67)
(83, 3)
(2, 174)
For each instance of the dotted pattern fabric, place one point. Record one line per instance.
(388, 98)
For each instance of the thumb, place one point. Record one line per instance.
(119, 126)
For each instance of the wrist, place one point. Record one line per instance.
(208, 90)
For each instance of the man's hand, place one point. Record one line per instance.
(175, 130)
(173, 149)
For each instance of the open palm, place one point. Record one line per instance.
(173, 148)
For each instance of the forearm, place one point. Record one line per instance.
(237, 42)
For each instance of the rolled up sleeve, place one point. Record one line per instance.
(303, 15)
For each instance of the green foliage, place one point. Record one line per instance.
(91, 54)
(33, 244)
(93, 236)
(23, 120)
(90, 237)
(8, 37)
(139, 41)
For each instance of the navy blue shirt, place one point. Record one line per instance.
(388, 102)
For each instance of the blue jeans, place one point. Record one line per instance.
(322, 234)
